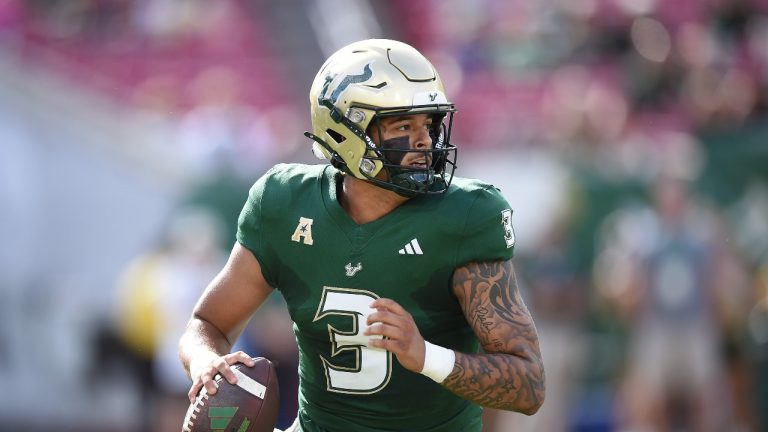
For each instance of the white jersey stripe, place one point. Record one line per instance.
(416, 247)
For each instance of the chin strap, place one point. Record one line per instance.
(336, 160)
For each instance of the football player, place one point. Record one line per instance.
(397, 275)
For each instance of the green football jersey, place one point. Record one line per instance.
(329, 269)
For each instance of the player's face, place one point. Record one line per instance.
(407, 132)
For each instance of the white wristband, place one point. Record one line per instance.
(438, 362)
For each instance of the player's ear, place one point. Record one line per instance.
(374, 130)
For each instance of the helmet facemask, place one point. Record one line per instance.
(410, 181)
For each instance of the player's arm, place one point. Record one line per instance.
(509, 375)
(219, 317)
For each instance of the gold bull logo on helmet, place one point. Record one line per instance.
(345, 82)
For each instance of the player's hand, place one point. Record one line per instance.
(402, 337)
(204, 370)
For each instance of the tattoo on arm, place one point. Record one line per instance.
(510, 374)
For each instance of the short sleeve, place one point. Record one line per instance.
(488, 234)
(252, 223)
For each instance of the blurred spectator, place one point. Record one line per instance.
(157, 292)
(747, 310)
(663, 277)
(756, 395)
(132, 340)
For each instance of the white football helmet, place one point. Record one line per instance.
(369, 79)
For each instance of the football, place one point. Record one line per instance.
(251, 405)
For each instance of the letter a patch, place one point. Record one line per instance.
(303, 231)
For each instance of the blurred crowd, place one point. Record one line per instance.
(200, 75)
(646, 272)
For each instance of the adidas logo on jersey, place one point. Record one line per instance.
(412, 248)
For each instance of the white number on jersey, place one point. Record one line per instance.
(373, 366)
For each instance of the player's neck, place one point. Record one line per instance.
(365, 202)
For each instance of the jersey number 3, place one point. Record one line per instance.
(373, 367)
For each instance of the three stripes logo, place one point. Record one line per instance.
(221, 417)
(411, 248)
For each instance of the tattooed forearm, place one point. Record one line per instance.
(510, 374)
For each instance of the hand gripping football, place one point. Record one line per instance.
(249, 406)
